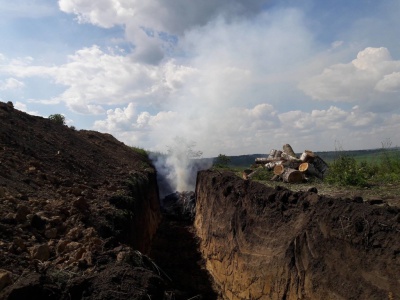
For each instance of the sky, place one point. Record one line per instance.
(230, 77)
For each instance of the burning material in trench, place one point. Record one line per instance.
(288, 167)
(181, 205)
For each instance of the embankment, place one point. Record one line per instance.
(263, 243)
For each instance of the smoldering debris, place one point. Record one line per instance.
(180, 205)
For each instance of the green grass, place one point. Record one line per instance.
(140, 151)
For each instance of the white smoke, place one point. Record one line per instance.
(177, 170)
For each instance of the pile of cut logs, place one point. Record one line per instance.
(290, 168)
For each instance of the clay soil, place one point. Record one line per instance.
(275, 243)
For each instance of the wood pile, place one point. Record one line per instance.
(287, 166)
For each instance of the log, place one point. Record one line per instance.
(320, 164)
(248, 173)
(286, 156)
(309, 168)
(278, 153)
(275, 178)
(279, 169)
(307, 156)
(272, 164)
(292, 176)
(292, 164)
(289, 150)
(272, 154)
(264, 160)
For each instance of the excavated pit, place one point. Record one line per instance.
(76, 206)
(265, 243)
(176, 251)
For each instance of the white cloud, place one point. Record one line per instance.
(367, 81)
(22, 106)
(144, 21)
(94, 78)
(389, 83)
(11, 84)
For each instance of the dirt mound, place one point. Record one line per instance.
(265, 243)
(69, 203)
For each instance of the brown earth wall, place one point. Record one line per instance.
(264, 243)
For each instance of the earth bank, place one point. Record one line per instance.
(78, 210)
(265, 243)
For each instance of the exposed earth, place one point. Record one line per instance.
(65, 232)
(80, 219)
(273, 243)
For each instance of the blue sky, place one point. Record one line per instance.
(233, 76)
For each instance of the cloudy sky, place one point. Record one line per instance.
(233, 76)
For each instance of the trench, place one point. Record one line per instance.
(175, 249)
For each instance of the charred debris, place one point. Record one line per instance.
(289, 167)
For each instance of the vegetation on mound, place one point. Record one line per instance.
(58, 119)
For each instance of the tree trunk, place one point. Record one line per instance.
(307, 156)
(320, 164)
(288, 149)
(286, 156)
(279, 169)
(309, 169)
(292, 176)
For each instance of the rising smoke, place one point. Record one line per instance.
(177, 169)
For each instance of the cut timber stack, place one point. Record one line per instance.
(292, 169)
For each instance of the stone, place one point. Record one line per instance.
(74, 234)
(19, 243)
(5, 279)
(2, 192)
(38, 223)
(61, 245)
(72, 246)
(22, 212)
(40, 252)
(51, 233)
(76, 191)
(81, 203)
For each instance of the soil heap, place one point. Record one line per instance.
(76, 207)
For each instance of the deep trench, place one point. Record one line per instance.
(175, 249)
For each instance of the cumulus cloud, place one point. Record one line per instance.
(370, 80)
(94, 78)
(148, 23)
(23, 107)
(11, 84)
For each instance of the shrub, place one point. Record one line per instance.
(57, 118)
(344, 170)
(140, 151)
(222, 161)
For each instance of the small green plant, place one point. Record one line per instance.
(140, 151)
(262, 174)
(57, 118)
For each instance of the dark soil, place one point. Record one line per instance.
(60, 235)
